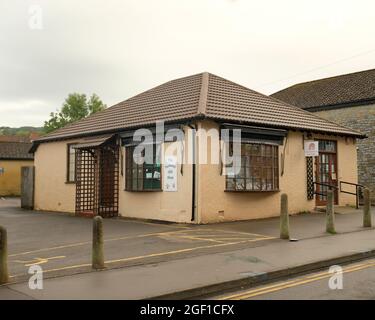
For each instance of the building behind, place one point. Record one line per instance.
(13, 156)
(348, 100)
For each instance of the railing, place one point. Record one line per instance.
(357, 193)
(330, 186)
(358, 189)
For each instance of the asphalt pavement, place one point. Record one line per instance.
(151, 259)
(357, 283)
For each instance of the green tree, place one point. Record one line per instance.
(75, 107)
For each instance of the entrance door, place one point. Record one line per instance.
(326, 171)
(107, 191)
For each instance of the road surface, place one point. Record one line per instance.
(358, 282)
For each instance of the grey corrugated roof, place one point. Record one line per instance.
(339, 90)
(201, 95)
(15, 151)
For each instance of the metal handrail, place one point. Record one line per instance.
(330, 186)
(326, 184)
(352, 184)
(358, 190)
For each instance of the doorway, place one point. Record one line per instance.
(326, 171)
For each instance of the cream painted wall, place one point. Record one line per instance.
(347, 168)
(52, 193)
(168, 206)
(346, 165)
(215, 205)
(10, 180)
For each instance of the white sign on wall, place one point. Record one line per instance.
(170, 174)
(311, 148)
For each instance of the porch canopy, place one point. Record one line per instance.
(94, 142)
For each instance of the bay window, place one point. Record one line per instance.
(258, 168)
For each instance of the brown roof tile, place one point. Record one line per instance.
(15, 151)
(14, 138)
(344, 89)
(200, 95)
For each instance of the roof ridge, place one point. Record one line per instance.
(202, 104)
(110, 108)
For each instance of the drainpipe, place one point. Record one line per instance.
(194, 128)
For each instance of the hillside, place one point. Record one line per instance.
(21, 131)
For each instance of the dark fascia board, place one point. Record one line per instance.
(36, 143)
(129, 133)
(257, 130)
(360, 136)
(349, 104)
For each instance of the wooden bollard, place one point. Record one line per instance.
(330, 213)
(366, 209)
(284, 217)
(4, 276)
(97, 243)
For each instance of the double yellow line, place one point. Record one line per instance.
(293, 283)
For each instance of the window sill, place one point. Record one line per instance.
(253, 191)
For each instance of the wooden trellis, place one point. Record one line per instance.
(108, 181)
(97, 179)
(310, 178)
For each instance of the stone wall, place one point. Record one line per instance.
(362, 119)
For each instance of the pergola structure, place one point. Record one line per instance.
(97, 177)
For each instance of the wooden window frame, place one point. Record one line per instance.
(68, 164)
(324, 141)
(262, 164)
(129, 169)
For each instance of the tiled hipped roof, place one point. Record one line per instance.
(350, 88)
(202, 95)
(230, 101)
(15, 151)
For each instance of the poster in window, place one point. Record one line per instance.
(311, 148)
(170, 174)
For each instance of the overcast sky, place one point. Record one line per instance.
(120, 48)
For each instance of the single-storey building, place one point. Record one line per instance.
(348, 100)
(13, 156)
(189, 128)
